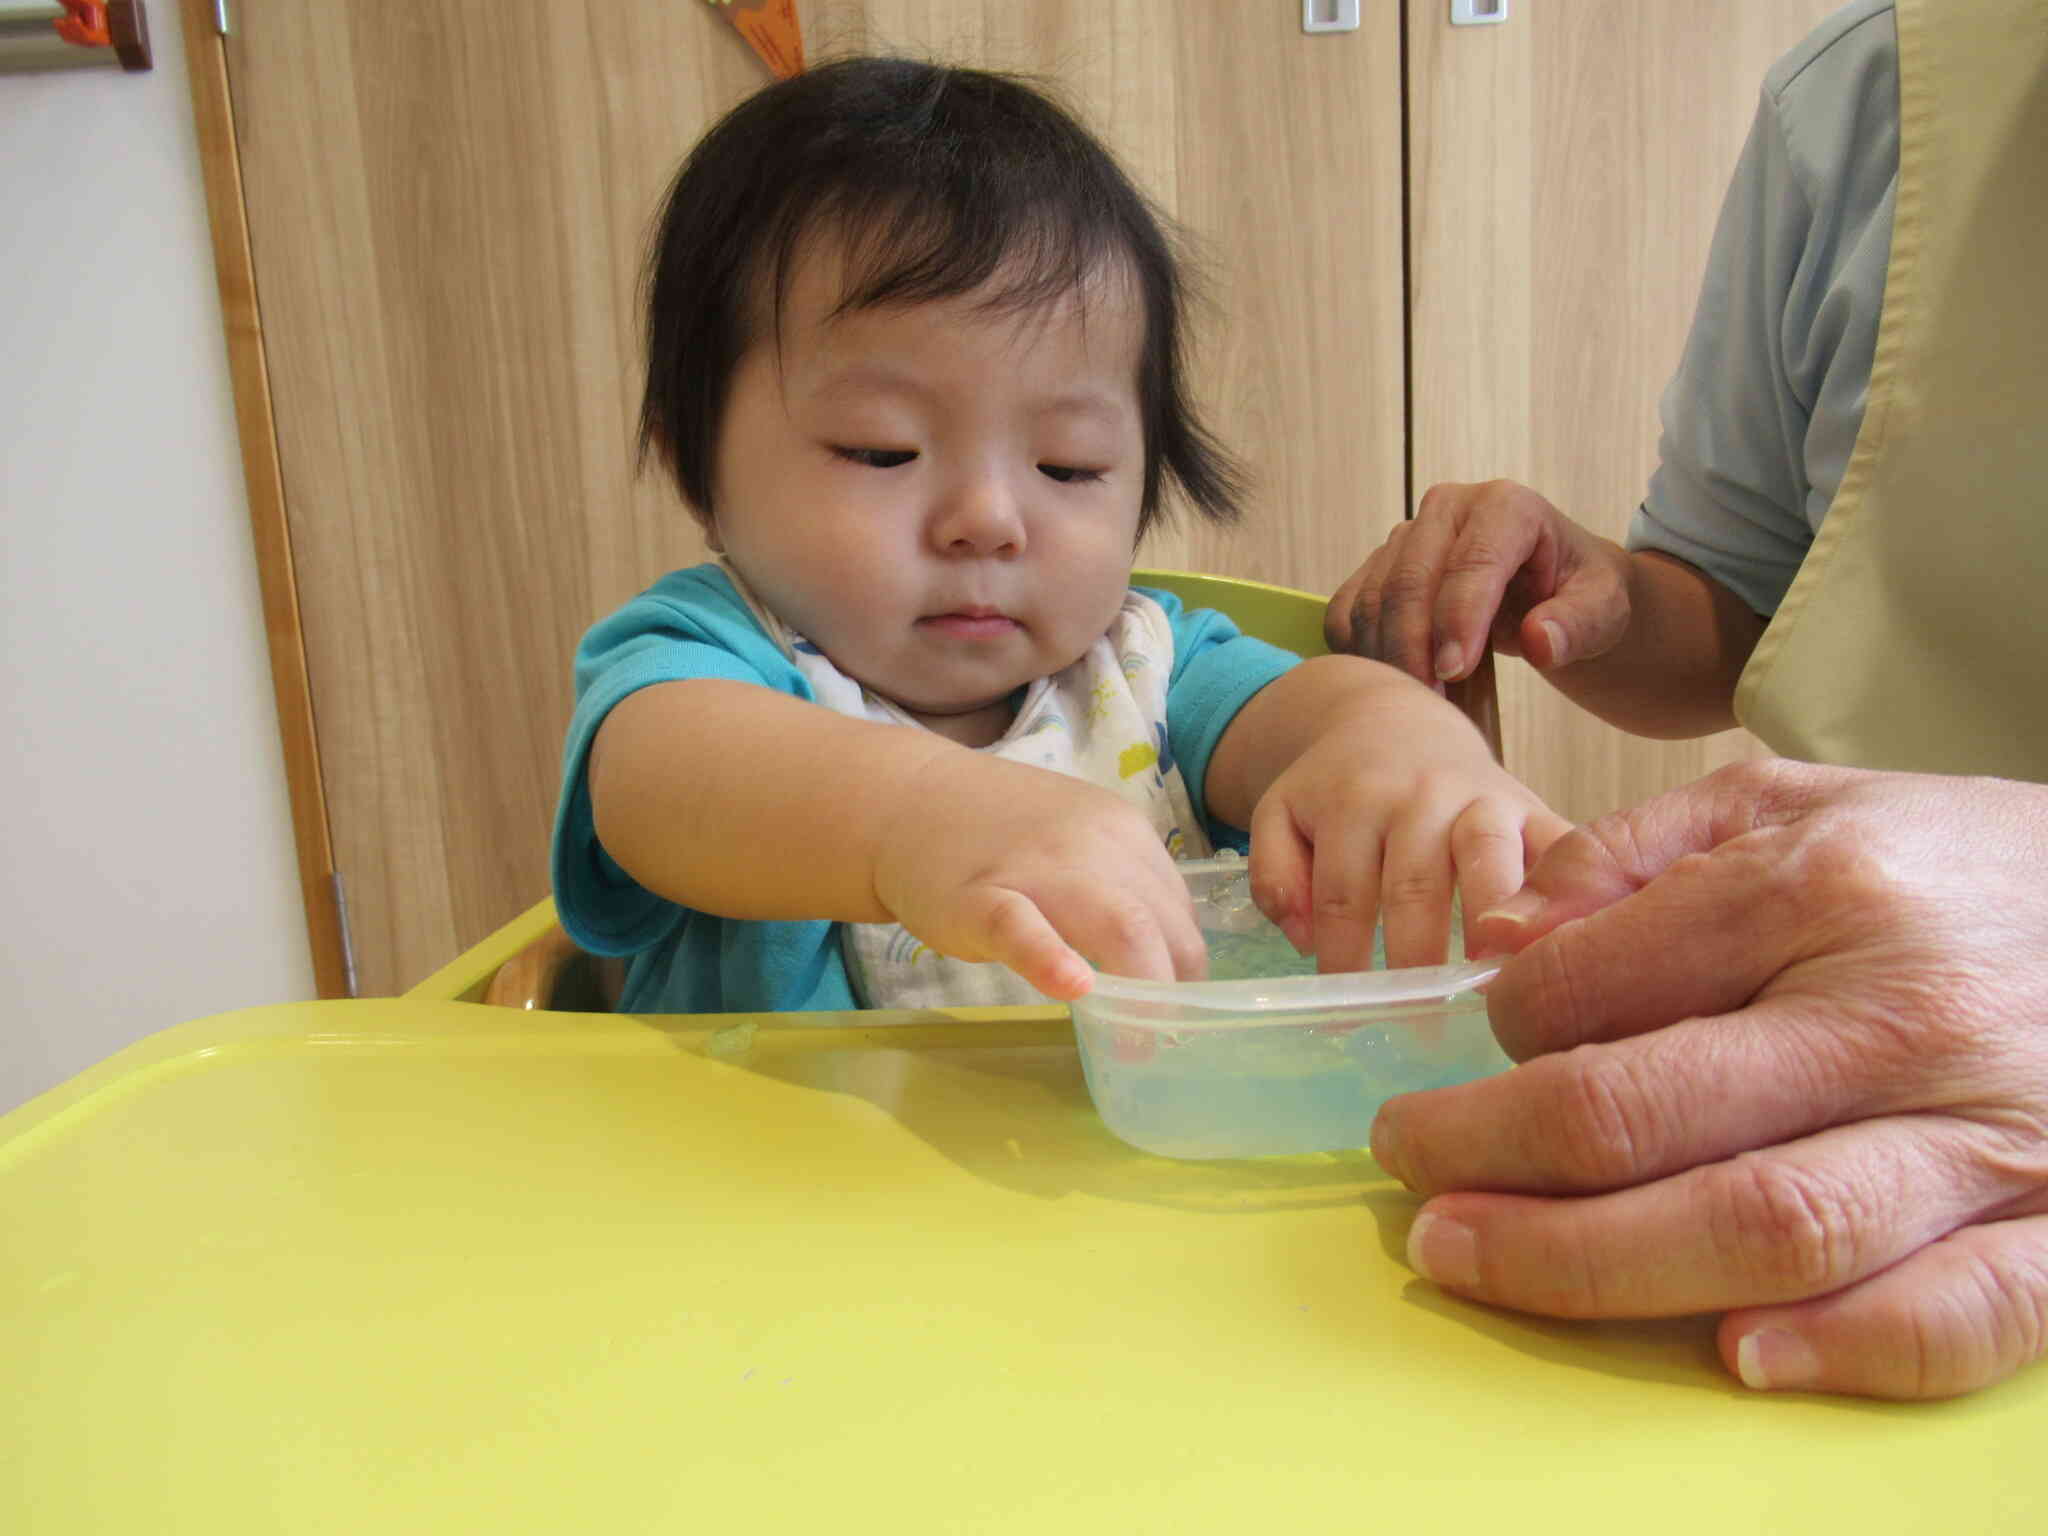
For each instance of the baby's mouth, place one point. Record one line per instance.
(970, 622)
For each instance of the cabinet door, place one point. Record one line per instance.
(447, 207)
(1566, 170)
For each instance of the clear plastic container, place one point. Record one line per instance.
(1267, 1057)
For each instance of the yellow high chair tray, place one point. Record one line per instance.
(418, 1265)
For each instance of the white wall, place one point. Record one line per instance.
(146, 866)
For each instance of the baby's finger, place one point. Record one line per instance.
(1144, 930)
(1178, 926)
(1016, 934)
(1415, 893)
(1125, 947)
(1959, 1314)
(1281, 865)
(1488, 846)
(1344, 893)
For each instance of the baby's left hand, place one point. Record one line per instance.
(1380, 819)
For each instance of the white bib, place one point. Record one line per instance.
(1103, 719)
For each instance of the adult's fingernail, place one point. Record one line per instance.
(1518, 910)
(1449, 661)
(1444, 1251)
(1553, 635)
(1386, 1151)
(1773, 1360)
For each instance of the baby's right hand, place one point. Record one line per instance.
(1476, 559)
(991, 860)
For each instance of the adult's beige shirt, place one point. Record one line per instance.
(1915, 635)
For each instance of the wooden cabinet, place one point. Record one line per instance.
(1431, 253)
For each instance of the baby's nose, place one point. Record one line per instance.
(980, 515)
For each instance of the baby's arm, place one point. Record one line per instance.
(741, 801)
(1363, 790)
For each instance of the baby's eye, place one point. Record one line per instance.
(876, 458)
(1067, 474)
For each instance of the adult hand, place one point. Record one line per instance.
(1784, 1036)
(1477, 559)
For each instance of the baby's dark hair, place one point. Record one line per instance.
(935, 180)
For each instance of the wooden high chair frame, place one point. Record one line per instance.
(550, 971)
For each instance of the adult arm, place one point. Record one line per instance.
(1759, 421)
(1645, 641)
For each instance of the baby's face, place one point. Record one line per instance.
(941, 498)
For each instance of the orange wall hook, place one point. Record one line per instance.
(772, 28)
(85, 24)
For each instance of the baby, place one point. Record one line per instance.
(914, 363)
